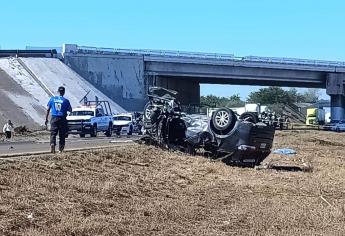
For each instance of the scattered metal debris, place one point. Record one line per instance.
(285, 151)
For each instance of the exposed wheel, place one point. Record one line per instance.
(82, 135)
(250, 117)
(94, 131)
(109, 132)
(223, 121)
(148, 110)
(337, 129)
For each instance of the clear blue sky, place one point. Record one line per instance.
(288, 28)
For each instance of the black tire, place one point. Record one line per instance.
(140, 131)
(130, 131)
(82, 135)
(250, 117)
(190, 150)
(223, 121)
(94, 131)
(109, 132)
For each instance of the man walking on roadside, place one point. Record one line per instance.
(59, 107)
(8, 130)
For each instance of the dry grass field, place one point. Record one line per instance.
(142, 190)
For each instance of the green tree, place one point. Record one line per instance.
(215, 101)
(272, 95)
(209, 101)
(234, 101)
(312, 95)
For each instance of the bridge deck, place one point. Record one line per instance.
(218, 58)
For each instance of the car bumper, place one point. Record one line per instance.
(80, 129)
(121, 129)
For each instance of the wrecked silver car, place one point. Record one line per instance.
(236, 141)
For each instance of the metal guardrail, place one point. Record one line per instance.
(149, 52)
(28, 53)
(216, 56)
(282, 60)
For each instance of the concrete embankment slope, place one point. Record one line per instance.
(21, 98)
(27, 83)
(53, 73)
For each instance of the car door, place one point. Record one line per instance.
(99, 117)
(103, 119)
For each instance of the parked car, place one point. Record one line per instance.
(123, 124)
(91, 118)
(335, 125)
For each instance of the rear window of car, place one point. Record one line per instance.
(124, 118)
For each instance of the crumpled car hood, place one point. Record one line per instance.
(196, 124)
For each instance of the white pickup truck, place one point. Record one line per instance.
(91, 118)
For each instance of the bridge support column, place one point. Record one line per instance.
(188, 90)
(335, 88)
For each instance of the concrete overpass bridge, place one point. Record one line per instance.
(126, 74)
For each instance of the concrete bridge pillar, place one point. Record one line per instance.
(188, 90)
(335, 87)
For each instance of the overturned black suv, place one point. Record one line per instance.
(239, 141)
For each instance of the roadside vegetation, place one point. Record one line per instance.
(141, 190)
(264, 96)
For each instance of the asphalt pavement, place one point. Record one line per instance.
(72, 143)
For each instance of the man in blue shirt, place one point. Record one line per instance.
(59, 106)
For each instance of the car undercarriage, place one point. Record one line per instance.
(236, 141)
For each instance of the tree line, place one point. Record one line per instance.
(270, 95)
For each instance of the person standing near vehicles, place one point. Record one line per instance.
(8, 130)
(59, 106)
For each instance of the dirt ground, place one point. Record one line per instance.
(141, 190)
(27, 137)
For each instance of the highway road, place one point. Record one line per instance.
(72, 143)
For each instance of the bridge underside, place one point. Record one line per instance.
(189, 87)
(226, 74)
(186, 79)
(237, 81)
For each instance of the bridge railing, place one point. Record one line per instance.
(149, 52)
(282, 60)
(217, 56)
